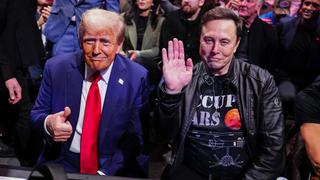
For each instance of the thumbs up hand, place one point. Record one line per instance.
(58, 125)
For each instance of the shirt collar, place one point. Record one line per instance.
(105, 74)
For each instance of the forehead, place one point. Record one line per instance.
(98, 31)
(221, 27)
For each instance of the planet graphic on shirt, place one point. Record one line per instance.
(232, 119)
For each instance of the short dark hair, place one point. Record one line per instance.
(220, 13)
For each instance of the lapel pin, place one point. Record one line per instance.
(120, 81)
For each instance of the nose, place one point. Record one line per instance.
(215, 48)
(96, 48)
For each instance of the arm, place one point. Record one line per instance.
(310, 133)
(41, 118)
(269, 161)
(177, 73)
(113, 5)
(167, 6)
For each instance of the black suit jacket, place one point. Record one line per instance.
(263, 45)
(20, 38)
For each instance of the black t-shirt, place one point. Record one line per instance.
(215, 141)
(308, 105)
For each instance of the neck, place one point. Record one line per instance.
(248, 21)
(144, 13)
(309, 23)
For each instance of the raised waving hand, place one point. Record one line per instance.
(177, 72)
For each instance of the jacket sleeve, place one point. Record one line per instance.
(270, 158)
(113, 5)
(168, 115)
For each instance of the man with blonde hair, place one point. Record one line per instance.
(89, 103)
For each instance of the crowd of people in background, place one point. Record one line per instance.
(269, 80)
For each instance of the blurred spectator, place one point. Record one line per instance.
(299, 52)
(63, 22)
(280, 10)
(295, 6)
(142, 32)
(259, 41)
(20, 49)
(308, 117)
(184, 24)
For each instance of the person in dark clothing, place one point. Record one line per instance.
(259, 41)
(223, 117)
(308, 118)
(300, 51)
(20, 49)
(184, 24)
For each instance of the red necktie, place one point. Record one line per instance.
(89, 138)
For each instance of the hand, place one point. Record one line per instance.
(233, 5)
(58, 125)
(133, 54)
(177, 72)
(14, 89)
(45, 12)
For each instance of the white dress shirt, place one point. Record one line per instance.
(103, 85)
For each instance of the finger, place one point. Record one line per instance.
(18, 94)
(60, 139)
(176, 48)
(69, 126)
(189, 65)
(181, 50)
(12, 94)
(164, 56)
(170, 50)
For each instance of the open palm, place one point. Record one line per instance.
(177, 72)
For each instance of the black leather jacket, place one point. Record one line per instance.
(260, 112)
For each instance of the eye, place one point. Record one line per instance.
(224, 42)
(105, 42)
(208, 41)
(89, 41)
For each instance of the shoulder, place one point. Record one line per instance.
(133, 69)
(64, 61)
(254, 72)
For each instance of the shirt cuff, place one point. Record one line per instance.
(45, 127)
(101, 173)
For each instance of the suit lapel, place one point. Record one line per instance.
(147, 34)
(116, 88)
(74, 88)
(132, 31)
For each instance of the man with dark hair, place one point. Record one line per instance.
(222, 116)
(184, 24)
(300, 51)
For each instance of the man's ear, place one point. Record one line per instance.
(119, 48)
(201, 2)
(237, 44)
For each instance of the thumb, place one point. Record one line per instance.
(189, 65)
(66, 112)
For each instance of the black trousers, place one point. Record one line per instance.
(16, 121)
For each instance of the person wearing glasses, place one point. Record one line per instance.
(222, 116)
